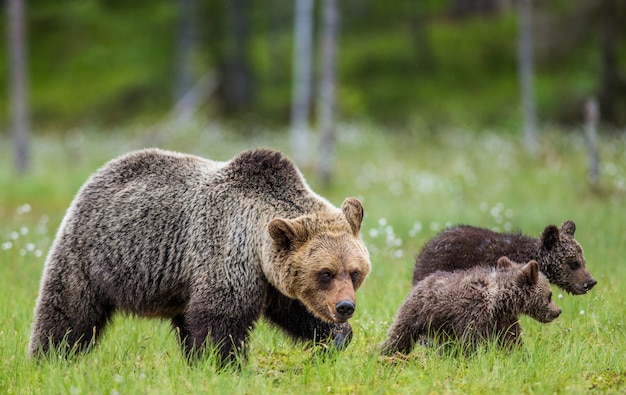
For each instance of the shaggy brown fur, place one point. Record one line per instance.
(472, 306)
(559, 255)
(212, 246)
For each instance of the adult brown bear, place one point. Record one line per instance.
(213, 246)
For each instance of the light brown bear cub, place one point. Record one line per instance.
(472, 306)
(212, 246)
(559, 255)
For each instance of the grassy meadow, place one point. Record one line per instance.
(412, 185)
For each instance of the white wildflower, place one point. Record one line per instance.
(23, 209)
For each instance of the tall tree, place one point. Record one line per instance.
(18, 82)
(301, 96)
(526, 73)
(326, 104)
(591, 114)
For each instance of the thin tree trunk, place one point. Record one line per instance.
(327, 89)
(526, 74)
(301, 96)
(592, 115)
(18, 82)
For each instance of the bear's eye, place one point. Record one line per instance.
(325, 275)
(355, 276)
(574, 265)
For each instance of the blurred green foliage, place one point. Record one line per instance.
(402, 63)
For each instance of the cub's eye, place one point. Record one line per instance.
(574, 265)
(325, 275)
(355, 277)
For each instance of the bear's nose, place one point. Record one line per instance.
(590, 284)
(345, 307)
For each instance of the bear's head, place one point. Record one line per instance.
(562, 259)
(537, 302)
(320, 260)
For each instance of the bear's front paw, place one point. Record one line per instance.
(342, 335)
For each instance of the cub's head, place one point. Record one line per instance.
(538, 303)
(562, 259)
(321, 260)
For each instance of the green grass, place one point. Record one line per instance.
(412, 185)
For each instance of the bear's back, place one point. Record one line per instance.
(156, 165)
(461, 292)
(270, 176)
(465, 246)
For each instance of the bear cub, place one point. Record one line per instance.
(472, 307)
(559, 255)
(211, 246)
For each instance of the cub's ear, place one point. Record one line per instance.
(504, 263)
(287, 233)
(569, 227)
(353, 210)
(550, 237)
(531, 272)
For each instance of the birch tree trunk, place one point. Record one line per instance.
(301, 95)
(591, 113)
(326, 106)
(526, 74)
(18, 83)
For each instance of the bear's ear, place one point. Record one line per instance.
(569, 227)
(287, 233)
(531, 272)
(504, 263)
(550, 237)
(353, 210)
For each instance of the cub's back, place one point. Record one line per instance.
(465, 246)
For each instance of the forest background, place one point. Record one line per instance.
(406, 64)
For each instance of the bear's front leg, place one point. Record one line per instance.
(294, 318)
(223, 328)
(404, 332)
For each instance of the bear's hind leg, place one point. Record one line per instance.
(67, 320)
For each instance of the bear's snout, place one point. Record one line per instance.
(589, 284)
(555, 311)
(345, 308)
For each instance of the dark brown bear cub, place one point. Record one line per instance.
(559, 255)
(472, 306)
(212, 246)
